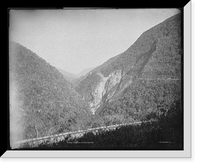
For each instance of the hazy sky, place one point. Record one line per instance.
(74, 40)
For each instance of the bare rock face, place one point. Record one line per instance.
(145, 78)
(104, 88)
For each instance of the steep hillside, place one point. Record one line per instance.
(144, 81)
(42, 102)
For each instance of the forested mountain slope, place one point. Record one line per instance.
(42, 102)
(144, 81)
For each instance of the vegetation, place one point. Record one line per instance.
(46, 103)
(149, 89)
(151, 76)
(141, 100)
(164, 134)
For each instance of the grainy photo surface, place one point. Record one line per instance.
(96, 79)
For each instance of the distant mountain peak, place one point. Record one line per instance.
(85, 71)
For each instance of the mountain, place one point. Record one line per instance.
(140, 83)
(68, 76)
(42, 102)
(85, 71)
(73, 78)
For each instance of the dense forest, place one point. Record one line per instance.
(164, 134)
(42, 101)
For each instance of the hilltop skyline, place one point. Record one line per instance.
(74, 40)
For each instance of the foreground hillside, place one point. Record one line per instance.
(143, 82)
(164, 134)
(42, 102)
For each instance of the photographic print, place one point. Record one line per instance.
(96, 79)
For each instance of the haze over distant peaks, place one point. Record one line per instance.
(85, 71)
(73, 77)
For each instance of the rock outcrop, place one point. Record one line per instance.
(145, 78)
